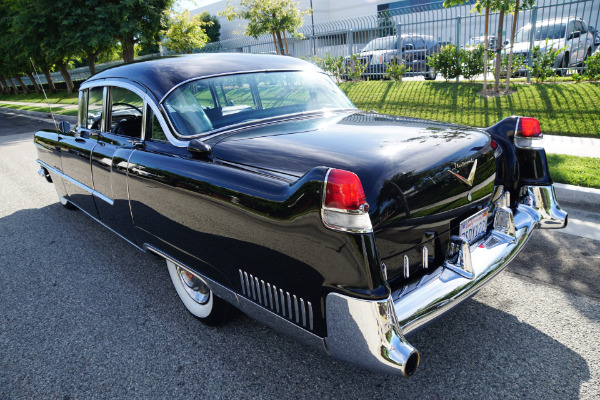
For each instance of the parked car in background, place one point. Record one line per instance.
(475, 41)
(570, 35)
(264, 188)
(415, 49)
(596, 34)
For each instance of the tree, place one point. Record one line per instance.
(185, 33)
(87, 22)
(269, 16)
(501, 7)
(213, 30)
(131, 21)
(517, 7)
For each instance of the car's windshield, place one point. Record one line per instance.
(207, 104)
(383, 43)
(542, 32)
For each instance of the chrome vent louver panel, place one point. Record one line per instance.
(288, 305)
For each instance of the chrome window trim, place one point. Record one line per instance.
(143, 93)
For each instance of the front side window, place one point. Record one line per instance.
(125, 112)
(204, 105)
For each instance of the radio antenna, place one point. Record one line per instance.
(42, 86)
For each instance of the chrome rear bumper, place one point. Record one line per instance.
(371, 333)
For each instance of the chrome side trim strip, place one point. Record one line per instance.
(78, 184)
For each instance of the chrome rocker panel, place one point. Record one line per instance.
(371, 333)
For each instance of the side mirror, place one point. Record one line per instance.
(199, 149)
(64, 127)
(575, 35)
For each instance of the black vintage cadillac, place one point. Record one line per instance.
(264, 188)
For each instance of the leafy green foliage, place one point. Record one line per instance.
(213, 30)
(185, 33)
(333, 65)
(472, 62)
(268, 16)
(518, 63)
(355, 67)
(543, 62)
(592, 63)
(446, 62)
(395, 71)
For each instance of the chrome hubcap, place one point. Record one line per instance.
(194, 286)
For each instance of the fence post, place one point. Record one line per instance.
(458, 41)
(531, 40)
(399, 39)
(350, 40)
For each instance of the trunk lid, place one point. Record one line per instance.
(421, 178)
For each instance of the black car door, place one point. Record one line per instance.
(77, 147)
(121, 135)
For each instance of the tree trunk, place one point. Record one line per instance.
(22, 84)
(49, 80)
(127, 44)
(498, 50)
(275, 43)
(280, 43)
(485, 50)
(512, 41)
(91, 60)
(287, 51)
(35, 84)
(67, 77)
(5, 86)
(15, 89)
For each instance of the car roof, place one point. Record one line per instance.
(161, 75)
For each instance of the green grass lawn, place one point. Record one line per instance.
(578, 171)
(565, 109)
(41, 108)
(60, 96)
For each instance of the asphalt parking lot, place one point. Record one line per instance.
(84, 315)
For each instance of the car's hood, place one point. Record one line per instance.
(408, 167)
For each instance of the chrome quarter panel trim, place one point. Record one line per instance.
(281, 324)
(543, 199)
(78, 184)
(366, 333)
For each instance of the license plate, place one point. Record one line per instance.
(475, 226)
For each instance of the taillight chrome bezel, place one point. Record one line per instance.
(527, 142)
(354, 221)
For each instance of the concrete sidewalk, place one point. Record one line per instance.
(573, 146)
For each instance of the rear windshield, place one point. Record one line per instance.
(207, 104)
(383, 43)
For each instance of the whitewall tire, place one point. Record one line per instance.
(195, 295)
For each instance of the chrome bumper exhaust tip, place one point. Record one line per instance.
(366, 333)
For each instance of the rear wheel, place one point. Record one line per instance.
(195, 295)
(430, 75)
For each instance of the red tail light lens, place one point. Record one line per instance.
(528, 127)
(344, 191)
(494, 145)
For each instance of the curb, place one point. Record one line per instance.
(70, 118)
(578, 196)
